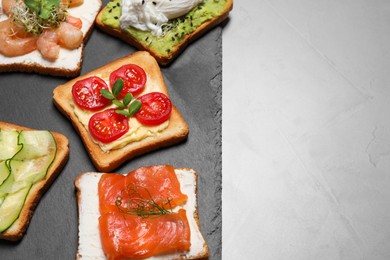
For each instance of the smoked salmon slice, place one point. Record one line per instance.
(126, 236)
(136, 218)
(159, 182)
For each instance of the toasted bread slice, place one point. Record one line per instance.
(89, 245)
(176, 131)
(18, 228)
(175, 41)
(68, 64)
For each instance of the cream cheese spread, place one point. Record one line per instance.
(151, 15)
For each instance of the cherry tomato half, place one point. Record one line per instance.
(86, 93)
(107, 126)
(156, 108)
(134, 78)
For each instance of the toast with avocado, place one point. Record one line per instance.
(121, 110)
(30, 160)
(162, 27)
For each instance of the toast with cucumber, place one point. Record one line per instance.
(30, 160)
(162, 27)
(121, 110)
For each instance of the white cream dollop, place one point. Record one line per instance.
(150, 15)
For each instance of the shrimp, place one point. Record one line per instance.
(66, 36)
(72, 3)
(6, 5)
(19, 31)
(77, 22)
(47, 45)
(14, 41)
(70, 37)
(12, 44)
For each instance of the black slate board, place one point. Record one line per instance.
(194, 81)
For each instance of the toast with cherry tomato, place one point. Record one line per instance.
(121, 110)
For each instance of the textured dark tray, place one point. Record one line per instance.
(194, 84)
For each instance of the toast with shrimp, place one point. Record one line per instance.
(128, 121)
(162, 27)
(47, 41)
(30, 160)
(106, 199)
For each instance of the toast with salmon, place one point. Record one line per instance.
(173, 36)
(44, 52)
(107, 145)
(95, 192)
(15, 229)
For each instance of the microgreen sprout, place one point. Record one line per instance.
(128, 106)
(37, 15)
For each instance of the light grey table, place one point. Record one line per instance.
(194, 85)
(306, 130)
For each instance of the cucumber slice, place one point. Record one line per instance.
(10, 186)
(31, 170)
(35, 144)
(4, 171)
(22, 166)
(25, 173)
(11, 207)
(8, 144)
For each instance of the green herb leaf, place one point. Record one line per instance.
(134, 107)
(107, 94)
(48, 7)
(54, 3)
(44, 8)
(127, 99)
(118, 103)
(46, 12)
(33, 5)
(36, 15)
(117, 88)
(122, 112)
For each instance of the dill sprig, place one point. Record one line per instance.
(33, 21)
(131, 202)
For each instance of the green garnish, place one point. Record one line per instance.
(128, 106)
(37, 15)
(131, 202)
(44, 8)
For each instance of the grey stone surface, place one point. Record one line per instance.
(194, 83)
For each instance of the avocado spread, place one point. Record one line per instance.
(174, 31)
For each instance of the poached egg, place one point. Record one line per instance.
(151, 15)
